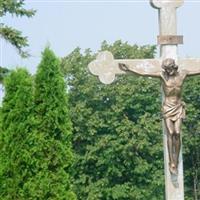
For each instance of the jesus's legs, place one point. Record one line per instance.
(177, 140)
(170, 143)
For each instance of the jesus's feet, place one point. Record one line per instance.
(173, 169)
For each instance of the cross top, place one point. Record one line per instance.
(166, 3)
(167, 16)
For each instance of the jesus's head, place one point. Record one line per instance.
(170, 66)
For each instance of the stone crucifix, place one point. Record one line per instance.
(172, 72)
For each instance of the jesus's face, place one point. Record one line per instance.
(170, 66)
(171, 70)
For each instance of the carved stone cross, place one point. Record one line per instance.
(172, 71)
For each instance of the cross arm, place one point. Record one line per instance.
(191, 65)
(106, 67)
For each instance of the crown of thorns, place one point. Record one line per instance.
(169, 63)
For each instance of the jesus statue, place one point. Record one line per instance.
(173, 108)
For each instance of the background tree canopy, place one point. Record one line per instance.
(117, 130)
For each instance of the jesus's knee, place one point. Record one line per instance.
(170, 132)
(169, 126)
(177, 135)
(176, 131)
(177, 127)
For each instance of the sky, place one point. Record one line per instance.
(65, 25)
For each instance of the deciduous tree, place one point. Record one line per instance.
(117, 130)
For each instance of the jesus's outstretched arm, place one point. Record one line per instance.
(149, 68)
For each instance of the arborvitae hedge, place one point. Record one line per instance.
(35, 146)
(53, 156)
(17, 120)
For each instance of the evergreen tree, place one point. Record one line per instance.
(14, 36)
(3, 73)
(16, 123)
(53, 155)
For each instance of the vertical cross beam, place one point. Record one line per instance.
(174, 185)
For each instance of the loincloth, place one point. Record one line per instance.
(173, 111)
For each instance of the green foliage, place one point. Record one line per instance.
(10, 34)
(15, 8)
(191, 139)
(17, 119)
(53, 156)
(117, 134)
(116, 128)
(35, 139)
(3, 73)
(14, 37)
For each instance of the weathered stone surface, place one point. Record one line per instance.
(174, 184)
(104, 67)
(170, 39)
